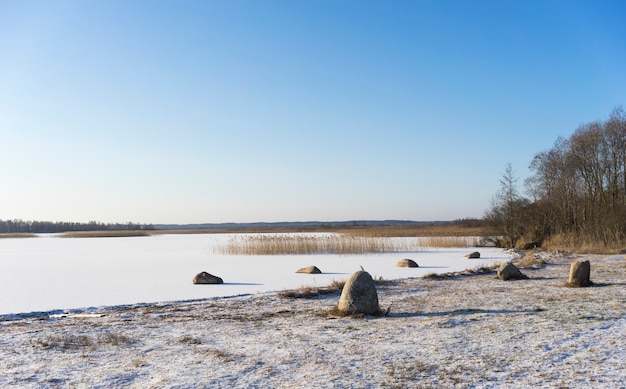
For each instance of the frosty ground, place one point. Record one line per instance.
(467, 330)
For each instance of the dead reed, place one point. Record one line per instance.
(295, 244)
(449, 241)
(105, 234)
(302, 244)
(8, 235)
(306, 292)
(581, 244)
(435, 230)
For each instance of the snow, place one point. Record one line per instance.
(462, 331)
(52, 273)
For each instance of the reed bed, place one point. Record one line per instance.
(301, 244)
(13, 235)
(434, 230)
(449, 241)
(105, 234)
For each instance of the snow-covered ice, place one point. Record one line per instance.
(469, 331)
(52, 273)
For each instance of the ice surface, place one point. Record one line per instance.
(51, 273)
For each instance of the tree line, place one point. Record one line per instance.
(576, 194)
(24, 226)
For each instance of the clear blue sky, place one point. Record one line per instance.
(241, 111)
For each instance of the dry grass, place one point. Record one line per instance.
(105, 234)
(307, 292)
(415, 231)
(530, 261)
(281, 244)
(278, 244)
(73, 342)
(481, 270)
(447, 229)
(449, 241)
(582, 245)
(17, 235)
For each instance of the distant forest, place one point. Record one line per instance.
(19, 226)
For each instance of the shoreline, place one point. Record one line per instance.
(451, 331)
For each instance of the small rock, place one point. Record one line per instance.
(475, 254)
(310, 270)
(206, 278)
(508, 271)
(407, 263)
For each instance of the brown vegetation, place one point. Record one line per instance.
(17, 235)
(305, 292)
(279, 244)
(105, 234)
(578, 193)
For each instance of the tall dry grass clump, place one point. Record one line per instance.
(583, 244)
(14, 235)
(449, 241)
(434, 230)
(105, 234)
(279, 244)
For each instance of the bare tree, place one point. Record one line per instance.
(507, 213)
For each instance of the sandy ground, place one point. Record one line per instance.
(462, 331)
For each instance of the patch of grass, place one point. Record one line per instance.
(339, 313)
(433, 229)
(333, 243)
(114, 339)
(425, 230)
(470, 272)
(307, 292)
(187, 339)
(450, 241)
(67, 342)
(221, 354)
(411, 371)
(17, 235)
(436, 276)
(335, 311)
(74, 342)
(296, 244)
(105, 234)
(530, 261)
(582, 244)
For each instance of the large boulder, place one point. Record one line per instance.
(508, 271)
(310, 270)
(475, 254)
(359, 295)
(406, 262)
(579, 273)
(206, 278)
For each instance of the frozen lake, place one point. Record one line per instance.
(51, 273)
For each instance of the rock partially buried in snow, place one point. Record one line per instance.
(508, 271)
(475, 254)
(359, 295)
(206, 278)
(310, 270)
(579, 274)
(406, 262)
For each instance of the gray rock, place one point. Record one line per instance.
(407, 263)
(359, 295)
(475, 254)
(508, 271)
(206, 278)
(310, 270)
(579, 273)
